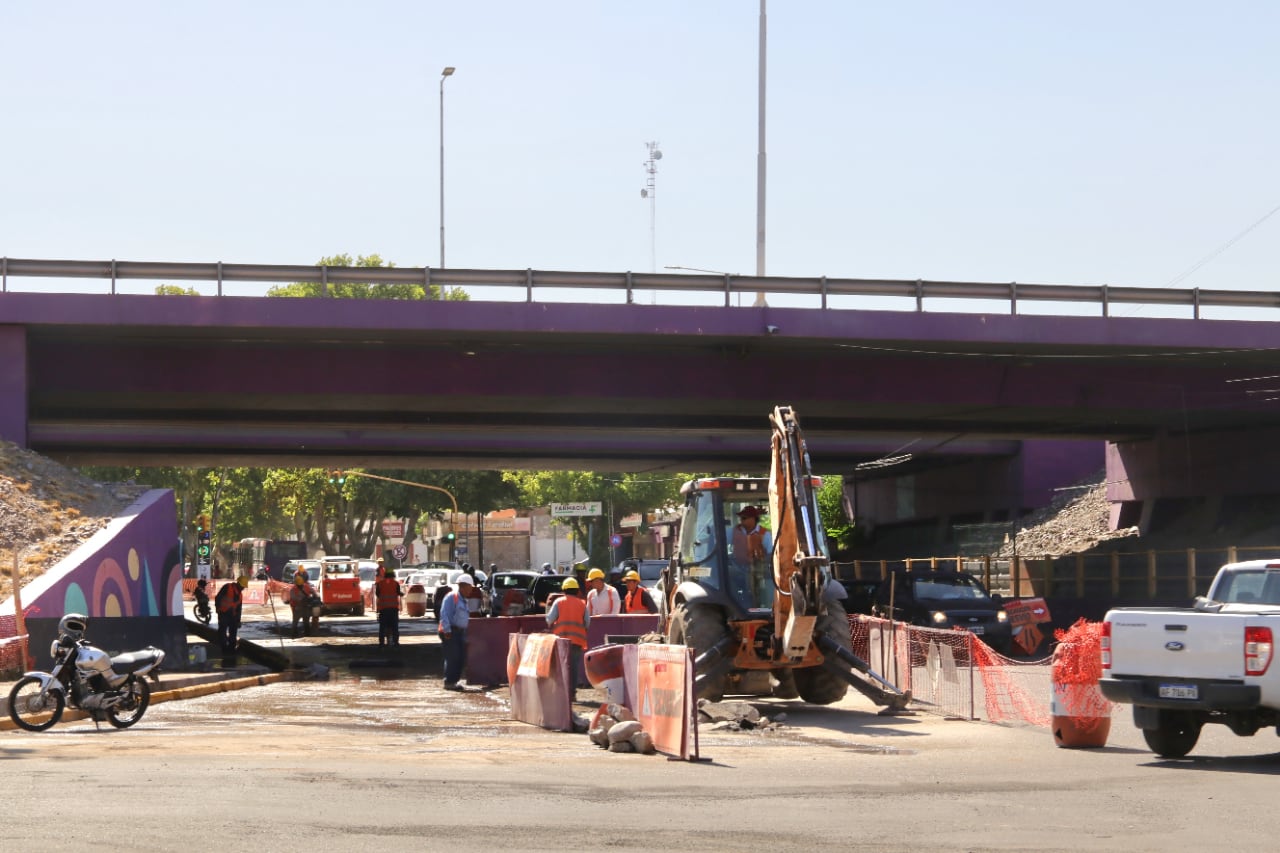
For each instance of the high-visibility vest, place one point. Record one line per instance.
(387, 592)
(634, 602)
(299, 594)
(571, 620)
(228, 597)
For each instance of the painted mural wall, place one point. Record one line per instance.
(130, 568)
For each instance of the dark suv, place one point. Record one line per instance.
(944, 599)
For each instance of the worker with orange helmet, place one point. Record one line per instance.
(568, 618)
(602, 599)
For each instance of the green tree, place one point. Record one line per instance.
(621, 494)
(838, 525)
(358, 290)
(175, 290)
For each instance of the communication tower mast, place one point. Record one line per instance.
(650, 192)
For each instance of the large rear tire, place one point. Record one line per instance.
(25, 705)
(700, 628)
(1176, 736)
(817, 684)
(137, 697)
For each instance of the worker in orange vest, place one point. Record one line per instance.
(230, 604)
(302, 600)
(637, 599)
(568, 618)
(386, 595)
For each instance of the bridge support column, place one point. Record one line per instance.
(13, 384)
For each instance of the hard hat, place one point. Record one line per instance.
(632, 576)
(546, 565)
(595, 574)
(381, 560)
(749, 512)
(243, 581)
(467, 579)
(569, 583)
(300, 576)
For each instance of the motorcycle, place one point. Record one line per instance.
(202, 611)
(86, 678)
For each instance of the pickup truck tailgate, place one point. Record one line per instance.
(1177, 642)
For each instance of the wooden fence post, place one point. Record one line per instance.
(1048, 576)
(1115, 573)
(1191, 572)
(1151, 574)
(1079, 575)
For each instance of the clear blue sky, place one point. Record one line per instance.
(1085, 142)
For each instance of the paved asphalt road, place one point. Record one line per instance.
(384, 759)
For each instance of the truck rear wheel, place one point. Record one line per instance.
(700, 628)
(817, 684)
(1176, 735)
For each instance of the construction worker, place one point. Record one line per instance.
(454, 616)
(568, 618)
(546, 569)
(230, 604)
(637, 599)
(602, 599)
(302, 601)
(386, 597)
(751, 557)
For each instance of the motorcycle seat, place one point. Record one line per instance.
(133, 661)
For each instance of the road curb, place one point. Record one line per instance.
(189, 691)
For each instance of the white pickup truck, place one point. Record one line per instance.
(1182, 667)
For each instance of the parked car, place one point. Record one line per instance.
(945, 599)
(650, 571)
(544, 587)
(478, 604)
(861, 595)
(502, 583)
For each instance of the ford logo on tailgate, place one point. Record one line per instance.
(1175, 646)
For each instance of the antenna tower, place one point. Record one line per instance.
(650, 192)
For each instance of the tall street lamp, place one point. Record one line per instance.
(447, 72)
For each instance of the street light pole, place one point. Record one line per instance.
(447, 72)
(760, 161)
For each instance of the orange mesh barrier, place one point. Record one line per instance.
(954, 673)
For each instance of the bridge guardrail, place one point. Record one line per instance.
(530, 280)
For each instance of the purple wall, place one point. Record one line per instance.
(1226, 463)
(13, 384)
(131, 568)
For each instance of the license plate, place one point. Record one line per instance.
(976, 629)
(1179, 691)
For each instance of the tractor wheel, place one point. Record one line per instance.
(817, 684)
(700, 628)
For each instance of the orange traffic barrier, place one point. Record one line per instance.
(415, 600)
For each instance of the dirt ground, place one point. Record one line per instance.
(382, 758)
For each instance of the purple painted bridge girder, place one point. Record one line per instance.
(249, 380)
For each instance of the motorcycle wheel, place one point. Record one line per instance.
(25, 705)
(137, 696)
(204, 616)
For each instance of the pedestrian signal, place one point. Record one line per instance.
(203, 551)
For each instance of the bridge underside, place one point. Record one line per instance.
(282, 382)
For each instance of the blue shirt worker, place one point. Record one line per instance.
(454, 616)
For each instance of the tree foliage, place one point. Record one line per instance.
(837, 523)
(358, 290)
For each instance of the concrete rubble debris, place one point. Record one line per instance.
(617, 730)
(736, 716)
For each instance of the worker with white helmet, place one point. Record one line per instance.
(602, 599)
(452, 629)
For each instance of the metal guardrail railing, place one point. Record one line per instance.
(823, 287)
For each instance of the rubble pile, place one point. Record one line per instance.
(617, 730)
(48, 510)
(736, 717)
(1077, 520)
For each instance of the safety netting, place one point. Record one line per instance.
(954, 673)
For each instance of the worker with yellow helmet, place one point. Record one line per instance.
(602, 599)
(637, 599)
(567, 617)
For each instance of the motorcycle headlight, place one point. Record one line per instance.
(939, 617)
(53, 649)
(1001, 616)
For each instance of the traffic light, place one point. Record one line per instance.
(450, 536)
(202, 523)
(203, 550)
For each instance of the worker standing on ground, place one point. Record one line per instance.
(386, 596)
(230, 604)
(302, 601)
(568, 618)
(602, 599)
(637, 599)
(454, 616)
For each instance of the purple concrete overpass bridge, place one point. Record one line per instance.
(530, 374)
